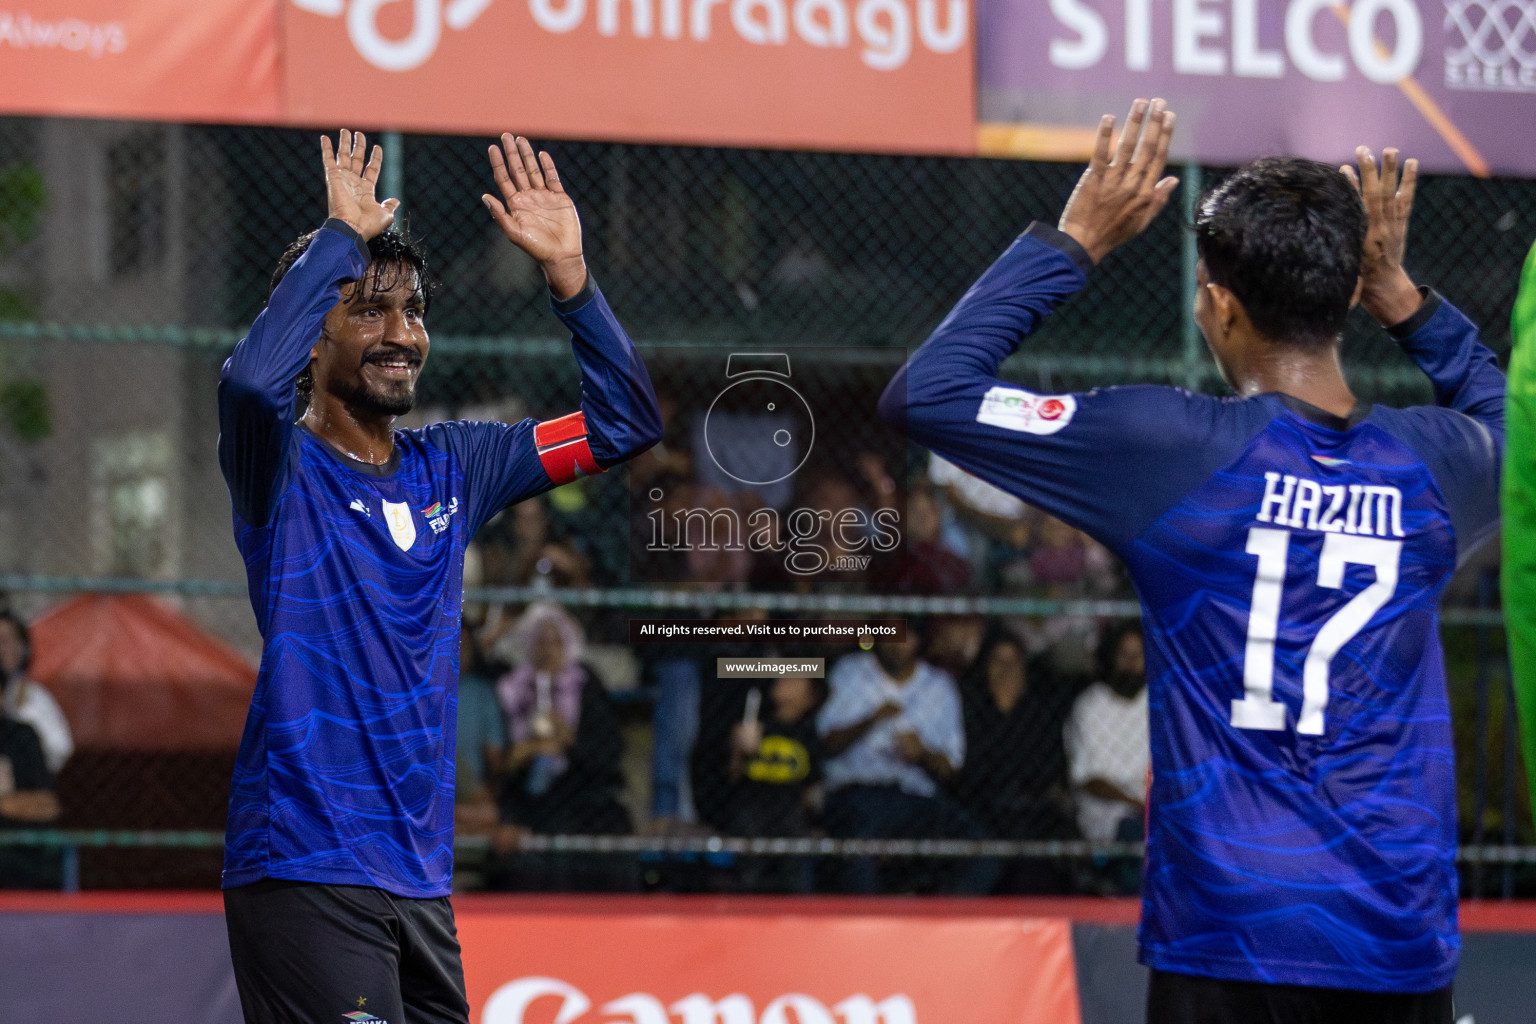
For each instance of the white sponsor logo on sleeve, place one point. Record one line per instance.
(1025, 411)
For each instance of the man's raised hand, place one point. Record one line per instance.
(1386, 290)
(350, 180)
(1117, 198)
(536, 215)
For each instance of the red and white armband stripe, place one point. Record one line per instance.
(563, 450)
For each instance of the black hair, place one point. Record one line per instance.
(1286, 237)
(1109, 644)
(24, 634)
(391, 254)
(975, 676)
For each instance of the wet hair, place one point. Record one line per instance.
(391, 255)
(1286, 237)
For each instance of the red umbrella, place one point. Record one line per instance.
(133, 674)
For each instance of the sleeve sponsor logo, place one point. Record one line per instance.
(1025, 411)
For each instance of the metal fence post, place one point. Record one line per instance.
(1194, 355)
(392, 176)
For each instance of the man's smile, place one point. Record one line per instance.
(395, 364)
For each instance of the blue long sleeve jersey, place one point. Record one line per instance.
(1301, 825)
(345, 769)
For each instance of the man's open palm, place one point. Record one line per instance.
(350, 180)
(535, 213)
(1123, 187)
(1387, 291)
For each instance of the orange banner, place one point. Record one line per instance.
(164, 60)
(778, 966)
(863, 75)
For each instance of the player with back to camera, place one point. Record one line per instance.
(339, 853)
(1289, 545)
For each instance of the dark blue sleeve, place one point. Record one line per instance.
(501, 463)
(256, 386)
(1466, 376)
(1107, 461)
(1462, 439)
(623, 418)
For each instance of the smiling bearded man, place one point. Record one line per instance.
(339, 854)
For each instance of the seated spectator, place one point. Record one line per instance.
(27, 800)
(480, 740)
(520, 549)
(930, 567)
(954, 643)
(481, 728)
(774, 759)
(775, 755)
(977, 514)
(690, 723)
(1107, 745)
(561, 772)
(25, 700)
(893, 736)
(1014, 780)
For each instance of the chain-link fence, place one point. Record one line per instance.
(132, 256)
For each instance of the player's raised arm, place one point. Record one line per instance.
(619, 416)
(1440, 340)
(256, 386)
(1069, 454)
(618, 403)
(1116, 198)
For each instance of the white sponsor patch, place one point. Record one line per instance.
(401, 526)
(1025, 411)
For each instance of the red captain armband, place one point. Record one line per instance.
(563, 450)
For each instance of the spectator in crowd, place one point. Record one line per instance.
(1107, 745)
(1014, 780)
(560, 772)
(521, 549)
(1061, 564)
(894, 740)
(690, 726)
(774, 760)
(481, 728)
(931, 566)
(981, 522)
(481, 737)
(954, 642)
(25, 700)
(27, 800)
(677, 673)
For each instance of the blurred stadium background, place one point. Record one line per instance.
(133, 255)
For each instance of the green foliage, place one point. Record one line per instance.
(24, 407)
(23, 197)
(15, 306)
